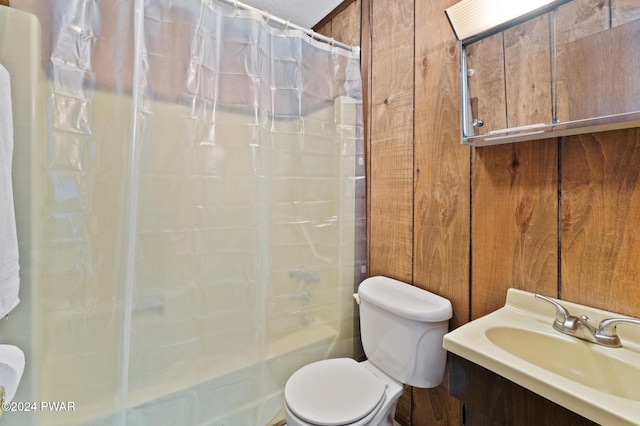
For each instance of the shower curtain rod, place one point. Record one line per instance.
(329, 40)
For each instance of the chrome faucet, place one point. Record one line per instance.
(607, 330)
(604, 334)
(565, 322)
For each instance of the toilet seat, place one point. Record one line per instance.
(333, 392)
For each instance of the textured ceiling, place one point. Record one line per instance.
(305, 13)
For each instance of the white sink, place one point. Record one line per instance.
(572, 358)
(519, 343)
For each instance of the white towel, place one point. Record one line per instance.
(9, 278)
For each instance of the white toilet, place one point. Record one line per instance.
(402, 327)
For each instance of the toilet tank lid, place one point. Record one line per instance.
(405, 300)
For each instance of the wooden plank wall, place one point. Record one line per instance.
(558, 216)
(391, 141)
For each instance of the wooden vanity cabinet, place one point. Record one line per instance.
(488, 399)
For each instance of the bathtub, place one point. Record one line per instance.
(135, 327)
(207, 401)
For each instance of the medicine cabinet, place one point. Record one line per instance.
(572, 68)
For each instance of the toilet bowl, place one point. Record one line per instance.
(402, 328)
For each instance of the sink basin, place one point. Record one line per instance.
(519, 343)
(575, 359)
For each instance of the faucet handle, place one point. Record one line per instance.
(562, 314)
(607, 330)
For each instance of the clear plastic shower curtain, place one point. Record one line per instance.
(198, 221)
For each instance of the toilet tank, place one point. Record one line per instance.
(402, 328)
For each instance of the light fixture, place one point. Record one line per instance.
(475, 19)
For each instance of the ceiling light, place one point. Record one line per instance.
(475, 19)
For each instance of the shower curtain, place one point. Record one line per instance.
(196, 214)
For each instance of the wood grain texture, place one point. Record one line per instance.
(579, 19)
(417, 181)
(337, 11)
(623, 11)
(391, 150)
(574, 21)
(390, 125)
(604, 78)
(600, 218)
(441, 173)
(435, 407)
(325, 28)
(514, 224)
(345, 26)
(365, 67)
(403, 408)
(493, 400)
(487, 84)
(442, 164)
(528, 72)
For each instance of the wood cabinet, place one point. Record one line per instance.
(489, 399)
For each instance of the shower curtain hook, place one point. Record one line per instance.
(235, 2)
(286, 27)
(266, 16)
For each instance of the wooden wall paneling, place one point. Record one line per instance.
(604, 79)
(415, 215)
(574, 21)
(441, 205)
(337, 11)
(404, 408)
(514, 222)
(391, 138)
(325, 28)
(391, 146)
(365, 67)
(442, 164)
(345, 27)
(514, 187)
(487, 83)
(435, 407)
(623, 11)
(528, 72)
(387, 38)
(600, 220)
